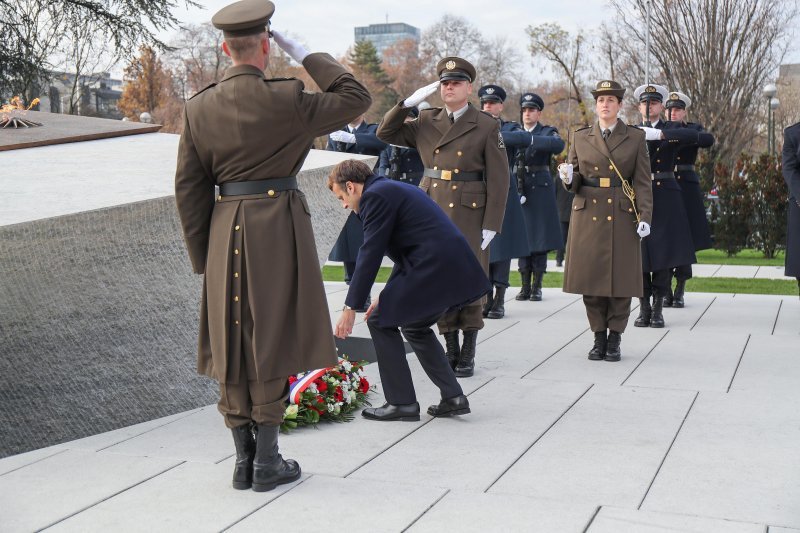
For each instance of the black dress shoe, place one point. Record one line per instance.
(458, 405)
(388, 412)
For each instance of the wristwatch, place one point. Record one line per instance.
(347, 308)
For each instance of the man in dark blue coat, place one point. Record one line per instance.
(435, 271)
(356, 138)
(791, 173)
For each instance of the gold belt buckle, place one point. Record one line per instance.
(605, 183)
(447, 175)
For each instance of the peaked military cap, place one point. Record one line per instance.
(455, 68)
(650, 92)
(608, 87)
(532, 100)
(246, 17)
(679, 100)
(492, 93)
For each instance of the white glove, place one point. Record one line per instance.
(488, 235)
(651, 134)
(420, 95)
(565, 172)
(295, 50)
(643, 229)
(343, 136)
(522, 199)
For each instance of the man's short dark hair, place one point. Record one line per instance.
(349, 170)
(244, 45)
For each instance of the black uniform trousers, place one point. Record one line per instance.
(536, 262)
(398, 387)
(498, 273)
(683, 272)
(657, 283)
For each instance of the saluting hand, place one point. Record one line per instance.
(295, 50)
(420, 95)
(565, 172)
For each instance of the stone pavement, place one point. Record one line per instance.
(696, 429)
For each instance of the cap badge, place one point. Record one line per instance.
(650, 89)
(528, 97)
(450, 65)
(605, 85)
(674, 96)
(490, 90)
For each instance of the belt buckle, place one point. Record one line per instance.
(605, 183)
(447, 175)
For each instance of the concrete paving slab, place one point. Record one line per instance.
(685, 318)
(735, 458)
(469, 453)
(572, 363)
(201, 437)
(692, 360)
(470, 512)
(736, 271)
(770, 363)
(190, 497)
(379, 506)
(48, 491)
(748, 313)
(788, 322)
(782, 530)
(772, 272)
(8, 464)
(606, 450)
(704, 271)
(617, 520)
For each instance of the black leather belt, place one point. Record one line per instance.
(453, 175)
(602, 182)
(537, 168)
(684, 168)
(662, 176)
(243, 188)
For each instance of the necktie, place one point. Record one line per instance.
(606, 134)
(452, 119)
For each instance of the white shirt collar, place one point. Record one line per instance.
(457, 114)
(531, 128)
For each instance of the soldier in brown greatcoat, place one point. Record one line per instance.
(603, 246)
(264, 314)
(466, 174)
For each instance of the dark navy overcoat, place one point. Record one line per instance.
(408, 166)
(791, 173)
(434, 268)
(689, 181)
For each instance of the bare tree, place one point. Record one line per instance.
(196, 58)
(497, 63)
(451, 36)
(403, 64)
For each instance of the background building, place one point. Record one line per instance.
(385, 35)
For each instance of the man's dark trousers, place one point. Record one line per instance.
(398, 387)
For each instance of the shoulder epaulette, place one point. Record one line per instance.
(278, 79)
(203, 89)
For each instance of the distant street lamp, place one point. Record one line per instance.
(769, 91)
(773, 105)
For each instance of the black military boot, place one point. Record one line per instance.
(643, 320)
(488, 305)
(453, 351)
(536, 290)
(269, 468)
(525, 292)
(466, 360)
(498, 309)
(613, 352)
(680, 288)
(657, 318)
(245, 444)
(668, 299)
(598, 351)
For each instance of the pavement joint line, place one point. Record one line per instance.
(775, 324)
(714, 299)
(591, 520)
(558, 310)
(556, 421)
(423, 513)
(57, 452)
(749, 336)
(755, 274)
(126, 489)
(573, 339)
(187, 415)
(645, 357)
(404, 437)
(496, 333)
(714, 274)
(671, 444)
(226, 528)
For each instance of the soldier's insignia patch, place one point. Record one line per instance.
(450, 65)
(500, 143)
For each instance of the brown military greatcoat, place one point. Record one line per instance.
(472, 144)
(603, 249)
(248, 128)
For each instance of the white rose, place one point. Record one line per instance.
(352, 395)
(347, 366)
(337, 409)
(291, 411)
(313, 387)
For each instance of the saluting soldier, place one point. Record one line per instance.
(357, 137)
(400, 163)
(609, 172)
(539, 209)
(791, 174)
(670, 244)
(466, 174)
(255, 243)
(689, 182)
(512, 241)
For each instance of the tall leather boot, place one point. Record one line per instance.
(598, 351)
(245, 444)
(466, 360)
(657, 318)
(498, 309)
(643, 320)
(453, 351)
(536, 290)
(488, 305)
(677, 299)
(613, 353)
(269, 468)
(668, 298)
(525, 292)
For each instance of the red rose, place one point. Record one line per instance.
(292, 379)
(338, 395)
(321, 385)
(363, 386)
(319, 400)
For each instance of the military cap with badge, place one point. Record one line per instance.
(531, 100)
(608, 87)
(492, 93)
(243, 18)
